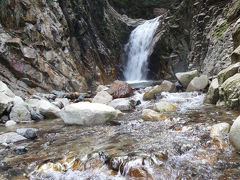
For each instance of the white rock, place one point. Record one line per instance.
(17, 100)
(64, 101)
(6, 97)
(48, 109)
(122, 104)
(11, 137)
(198, 84)
(10, 123)
(101, 88)
(234, 134)
(186, 77)
(86, 114)
(20, 112)
(102, 97)
(164, 106)
(219, 130)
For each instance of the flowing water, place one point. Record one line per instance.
(138, 49)
(178, 147)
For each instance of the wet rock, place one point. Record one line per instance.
(139, 173)
(122, 104)
(36, 116)
(186, 77)
(101, 88)
(48, 110)
(219, 130)
(86, 114)
(120, 89)
(4, 118)
(102, 97)
(6, 97)
(164, 106)
(162, 155)
(29, 133)
(229, 91)
(11, 137)
(10, 123)
(234, 134)
(227, 73)
(212, 96)
(20, 150)
(198, 84)
(150, 115)
(166, 86)
(20, 113)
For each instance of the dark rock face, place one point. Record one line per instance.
(62, 45)
(193, 35)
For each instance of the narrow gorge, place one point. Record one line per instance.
(119, 89)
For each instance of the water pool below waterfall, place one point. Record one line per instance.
(178, 147)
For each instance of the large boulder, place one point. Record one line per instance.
(120, 89)
(6, 97)
(122, 104)
(86, 114)
(48, 110)
(102, 97)
(11, 137)
(166, 86)
(198, 84)
(212, 96)
(227, 73)
(43, 107)
(186, 77)
(234, 134)
(229, 91)
(20, 112)
(164, 106)
(150, 115)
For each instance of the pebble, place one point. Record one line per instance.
(29, 133)
(10, 123)
(20, 150)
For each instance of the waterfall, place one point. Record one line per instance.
(137, 50)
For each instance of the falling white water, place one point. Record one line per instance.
(138, 50)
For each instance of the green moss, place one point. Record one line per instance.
(220, 30)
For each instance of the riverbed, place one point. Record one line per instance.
(178, 147)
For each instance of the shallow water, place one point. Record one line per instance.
(178, 147)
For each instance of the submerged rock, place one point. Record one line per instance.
(198, 84)
(219, 130)
(36, 116)
(20, 150)
(166, 86)
(86, 114)
(29, 133)
(186, 77)
(120, 89)
(150, 115)
(102, 97)
(212, 96)
(234, 134)
(164, 106)
(11, 137)
(122, 104)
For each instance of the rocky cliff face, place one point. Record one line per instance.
(194, 35)
(60, 45)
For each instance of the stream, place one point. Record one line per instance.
(178, 147)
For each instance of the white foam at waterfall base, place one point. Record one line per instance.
(138, 50)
